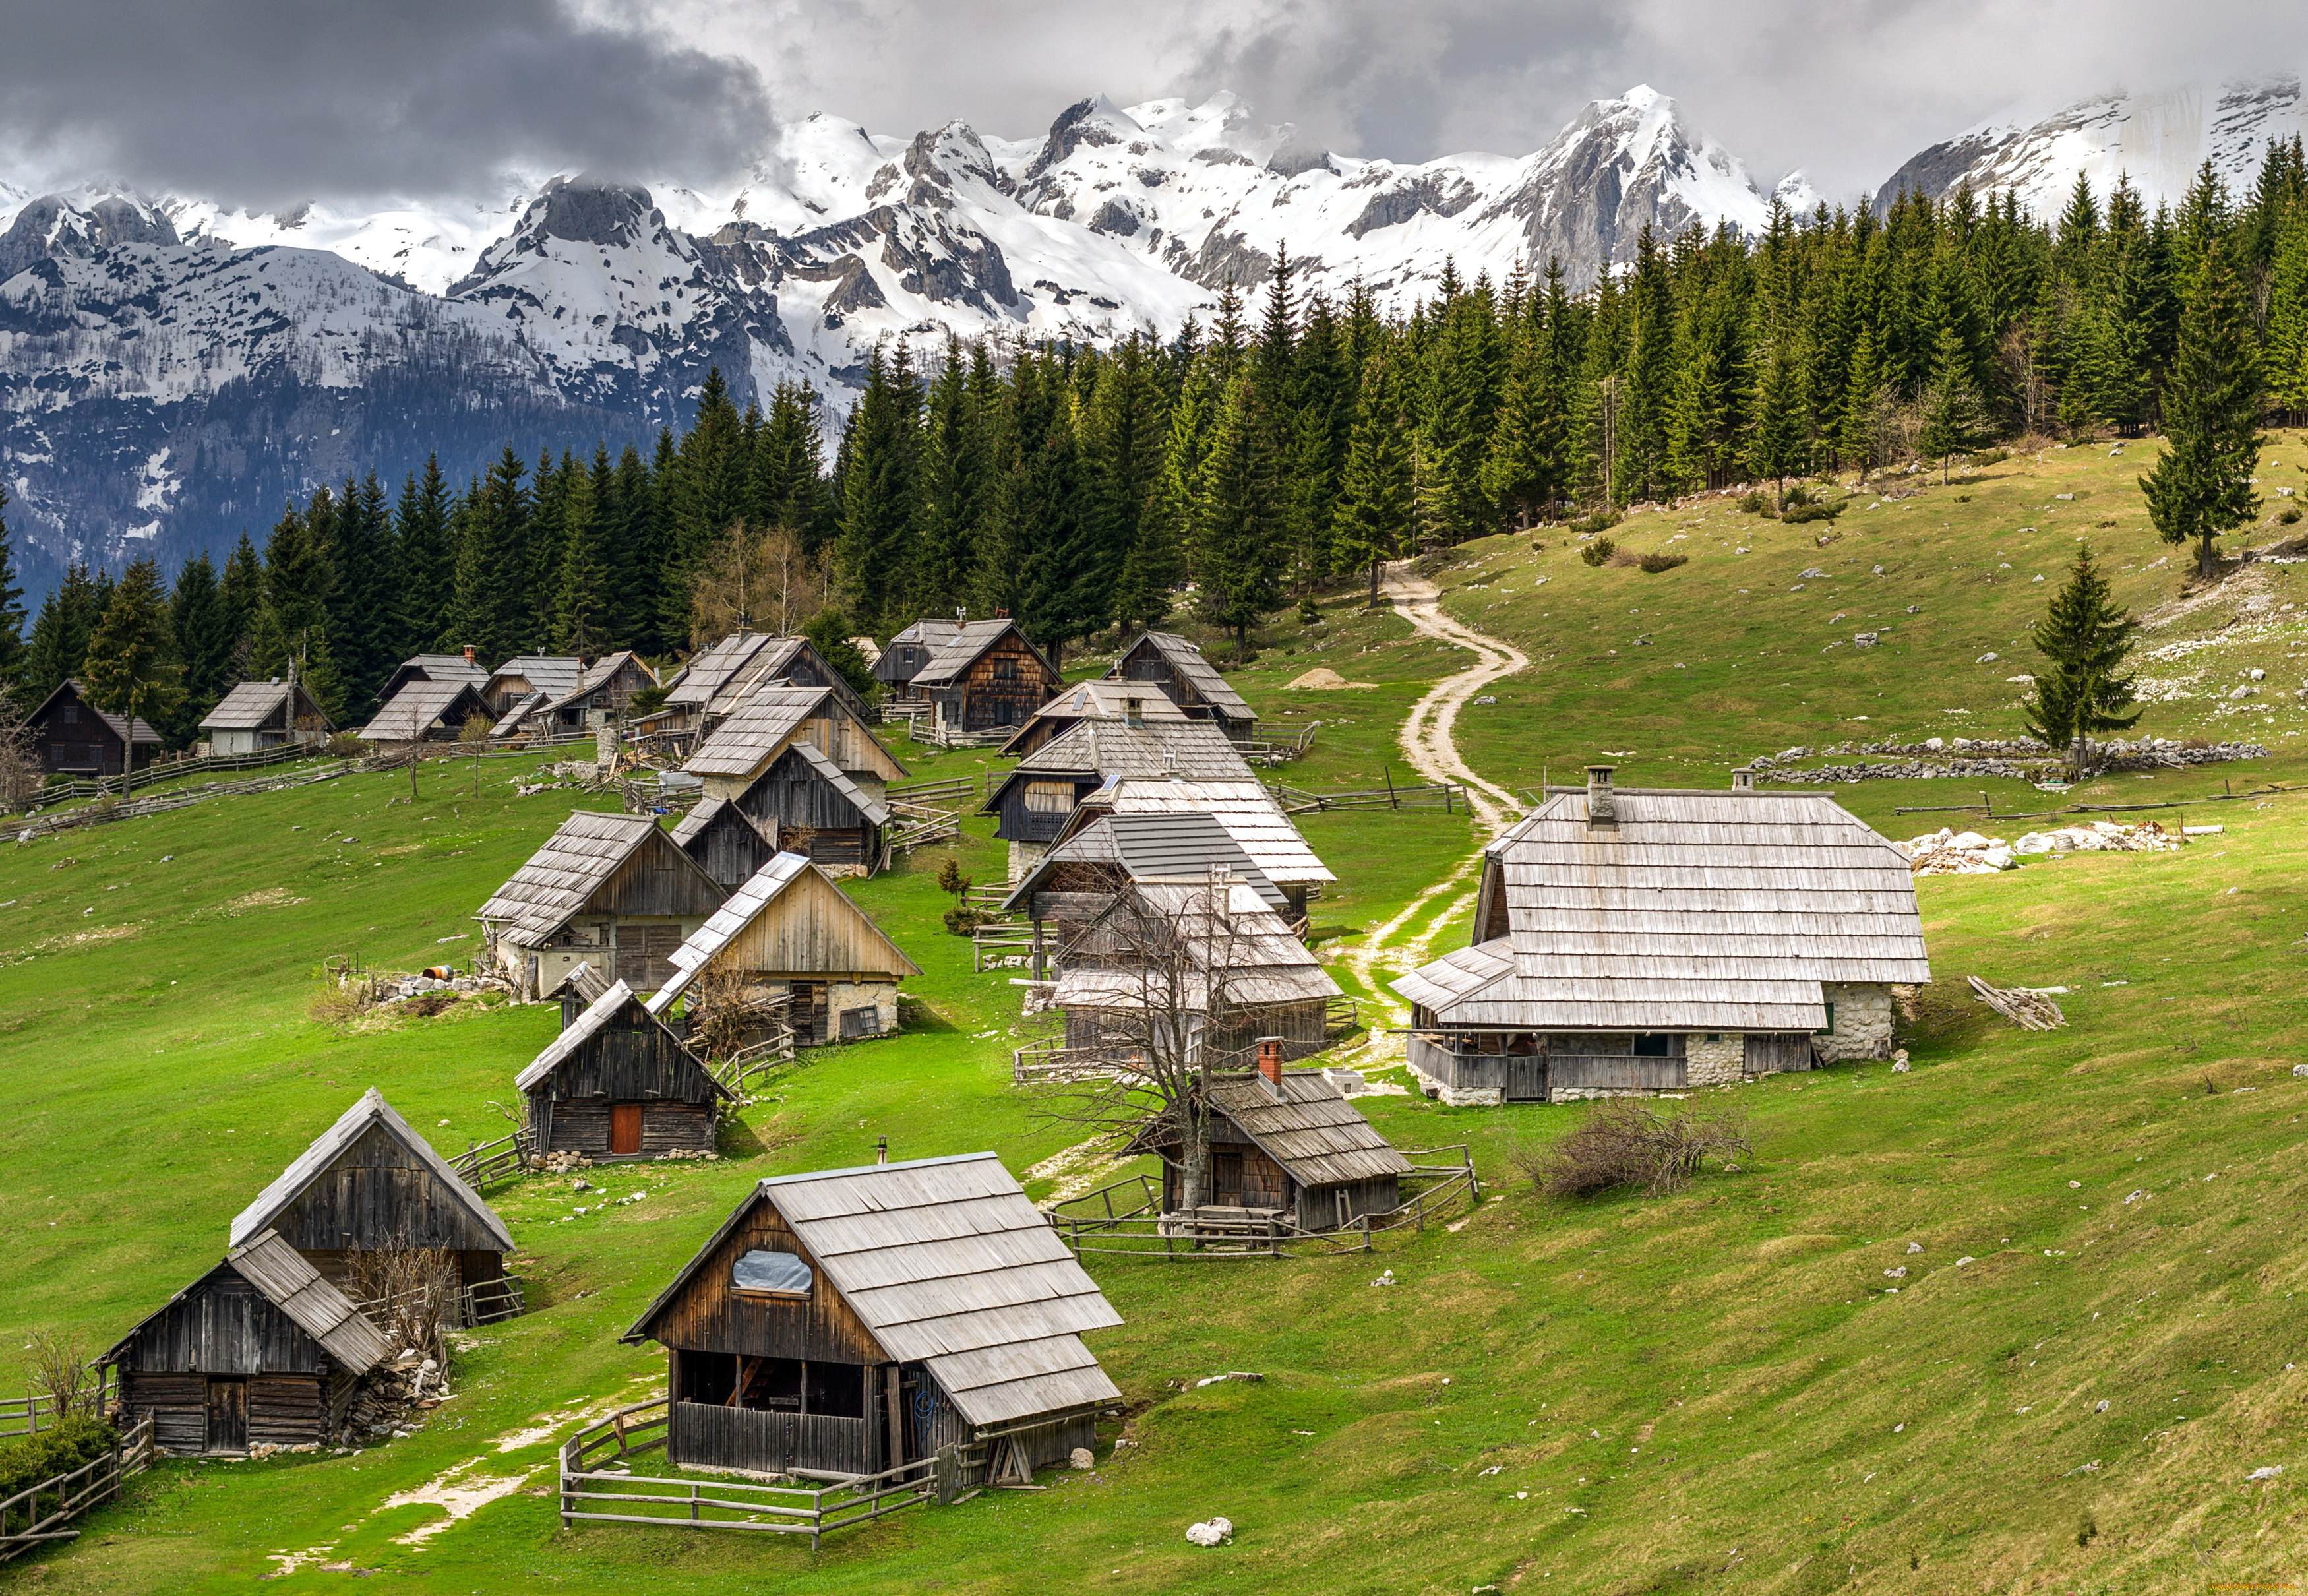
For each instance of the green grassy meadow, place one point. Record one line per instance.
(1721, 1390)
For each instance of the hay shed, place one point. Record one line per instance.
(611, 890)
(616, 1083)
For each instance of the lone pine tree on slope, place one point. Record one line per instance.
(2085, 636)
(2202, 486)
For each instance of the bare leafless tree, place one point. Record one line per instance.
(1159, 975)
(21, 775)
(762, 581)
(724, 1016)
(411, 1293)
(57, 1361)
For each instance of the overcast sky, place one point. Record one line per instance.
(266, 102)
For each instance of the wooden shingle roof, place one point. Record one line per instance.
(128, 730)
(1187, 660)
(414, 711)
(575, 862)
(958, 653)
(1184, 847)
(598, 674)
(1311, 1130)
(251, 706)
(372, 1111)
(948, 1264)
(1196, 750)
(1260, 961)
(1106, 698)
(746, 905)
(282, 1277)
(1717, 911)
(613, 1002)
(755, 729)
(1246, 809)
(549, 674)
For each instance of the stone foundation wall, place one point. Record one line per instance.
(1715, 1064)
(840, 996)
(1024, 857)
(1863, 1023)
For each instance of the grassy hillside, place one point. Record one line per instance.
(1715, 1391)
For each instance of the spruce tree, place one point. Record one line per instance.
(205, 639)
(2201, 485)
(13, 657)
(1648, 404)
(1866, 401)
(581, 618)
(1954, 422)
(1233, 551)
(2287, 316)
(879, 494)
(427, 564)
(132, 667)
(1374, 522)
(59, 645)
(2085, 636)
(292, 615)
(1776, 438)
(365, 630)
(1122, 443)
(1156, 562)
(956, 484)
(241, 593)
(493, 612)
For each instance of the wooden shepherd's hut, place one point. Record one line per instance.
(1122, 704)
(611, 890)
(985, 678)
(776, 717)
(71, 737)
(261, 1350)
(617, 1084)
(370, 1183)
(849, 1321)
(728, 842)
(1175, 667)
(259, 715)
(790, 933)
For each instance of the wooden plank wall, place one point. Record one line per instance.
(630, 1059)
(376, 1194)
(659, 879)
(810, 930)
(731, 849)
(1004, 687)
(584, 1127)
(771, 1442)
(223, 1325)
(709, 1316)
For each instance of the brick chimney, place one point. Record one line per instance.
(1743, 780)
(470, 657)
(1602, 811)
(1270, 1062)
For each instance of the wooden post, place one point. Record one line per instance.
(1387, 770)
(1418, 1207)
(945, 1475)
(894, 1390)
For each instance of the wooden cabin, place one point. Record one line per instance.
(526, 676)
(987, 678)
(812, 808)
(849, 1321)
(434, 667)
(616, 1083)
(1074, 883)
(601, 693)
(259, 715)
(1215, 947)
(261, 1350)
(773, 719)
(71, 737)
(1123, 704)
(1175, 667)
(728, 842)
(1628, 941)
(426, 711)
(909, 651)
(610, 889)
(790, 932)
(717, 678)
(578, 991)
(370, 1183)
(1285, 1143)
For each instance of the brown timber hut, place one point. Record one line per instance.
(717, 678)
(909, 651)
(370, 1183)
(1077, 881)
(612, 889)
(600, 695)
(849, 1321)
(1629, 940)
(616, 1083)
(790, 932)
(1285, 1143)
(726, 840)
(71, 737)
(261, 1350)
(1126, 703)
(811, 806)
(988, 678)
(1175, 667)
(772, 718)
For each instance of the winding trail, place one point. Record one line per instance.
(1429, 748)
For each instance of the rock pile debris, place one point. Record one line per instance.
(1949, 853)
(2016, 759)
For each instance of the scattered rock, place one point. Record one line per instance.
(1866, 640)
(1386, 1280)
(1083, 1457)
(2300, 1071)
(1959, 1262)
(1914, 1246)
(1900, 1273)
(1986, 659)
(2268, 1474)
(1213, 1533)
(1235, 1374)
(1814, 574)
(2102, 1407)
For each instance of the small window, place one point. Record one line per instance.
(1654, 1047)
(1714, 1035)
(1005, 669)
(1828, 1029)
(777, 1274)
(1050, 797)
(861, 1022)
(69, 713)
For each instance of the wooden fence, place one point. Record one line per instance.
(1137, 1226)
(30, 1415)
(160, 803)
(44, 1509)
(173, 770)
(719, 1504)
(951, 793)
(483, 1164)
(1442, 796)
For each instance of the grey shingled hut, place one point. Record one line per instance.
(1633, 940)
(260, 1351)
(616, 1083)
(615, 890)
(1175, 667)
(849, 1321)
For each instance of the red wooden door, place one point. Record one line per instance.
(624, 1127)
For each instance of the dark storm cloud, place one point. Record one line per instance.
(263, 102)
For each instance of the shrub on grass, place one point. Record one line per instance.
(2289, 514)
(1656, 562)
(1599, 552)
(1756, 502)
(1628, 1142)
(1811, 508)
(28, 1460)
(1601, 521)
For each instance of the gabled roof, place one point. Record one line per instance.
(712, 668)
(1186, 846)
(527, 705)
(549, 674)
(1194, 749)
(599, 675)
(1246, 808)
(873, 809)
(371, 1111)
(409, 714)
(701, 815)
(1199, 673)
(948, 1264)
(603, 1009)
(1311, 1130)
(440, 668)
(583, 979)
(745, 906)
(119, 724)
(282, 1277)
(751, 733)
(958, 653)
(575, 862)
(251, 705)
(1103, 699)
(1260, 962)
(934, 631)
(1715, 911)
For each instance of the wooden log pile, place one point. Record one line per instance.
(2030, 1011)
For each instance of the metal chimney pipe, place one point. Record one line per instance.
(881, 1150)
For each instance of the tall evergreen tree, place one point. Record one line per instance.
(957, 490)
(292, 614)
(60, 634)
(427, 564)
(365, 632)
(132, 667)
(582, 620)
(1776, 439)
(1233, 551)
(493, 613)
(1156, 562)
(2085, 635)
(880, 493)
(205, 639)
(1374, 515)
(2201, 485)
(1954, 420)
(240, 592)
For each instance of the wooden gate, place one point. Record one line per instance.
(1767, 1052)
(1525, 1078)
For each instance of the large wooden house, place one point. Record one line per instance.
(719, 678)
(616, 1083)
(1629, 941)
(776, 717)
(435, 668)
(370, 1183)
(1124, 703)
(849, 1321)
(790, 933)
(988, 678)
(612, 889)
(1175, 667)
(1285, 1144)
(426, 711)
(260, 1351)
(723, 838)
(259, 715)
(71, 737)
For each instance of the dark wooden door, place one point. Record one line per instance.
(228, 1415)
(624, 1127)
(1526, 1081)
(1767, 1052)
